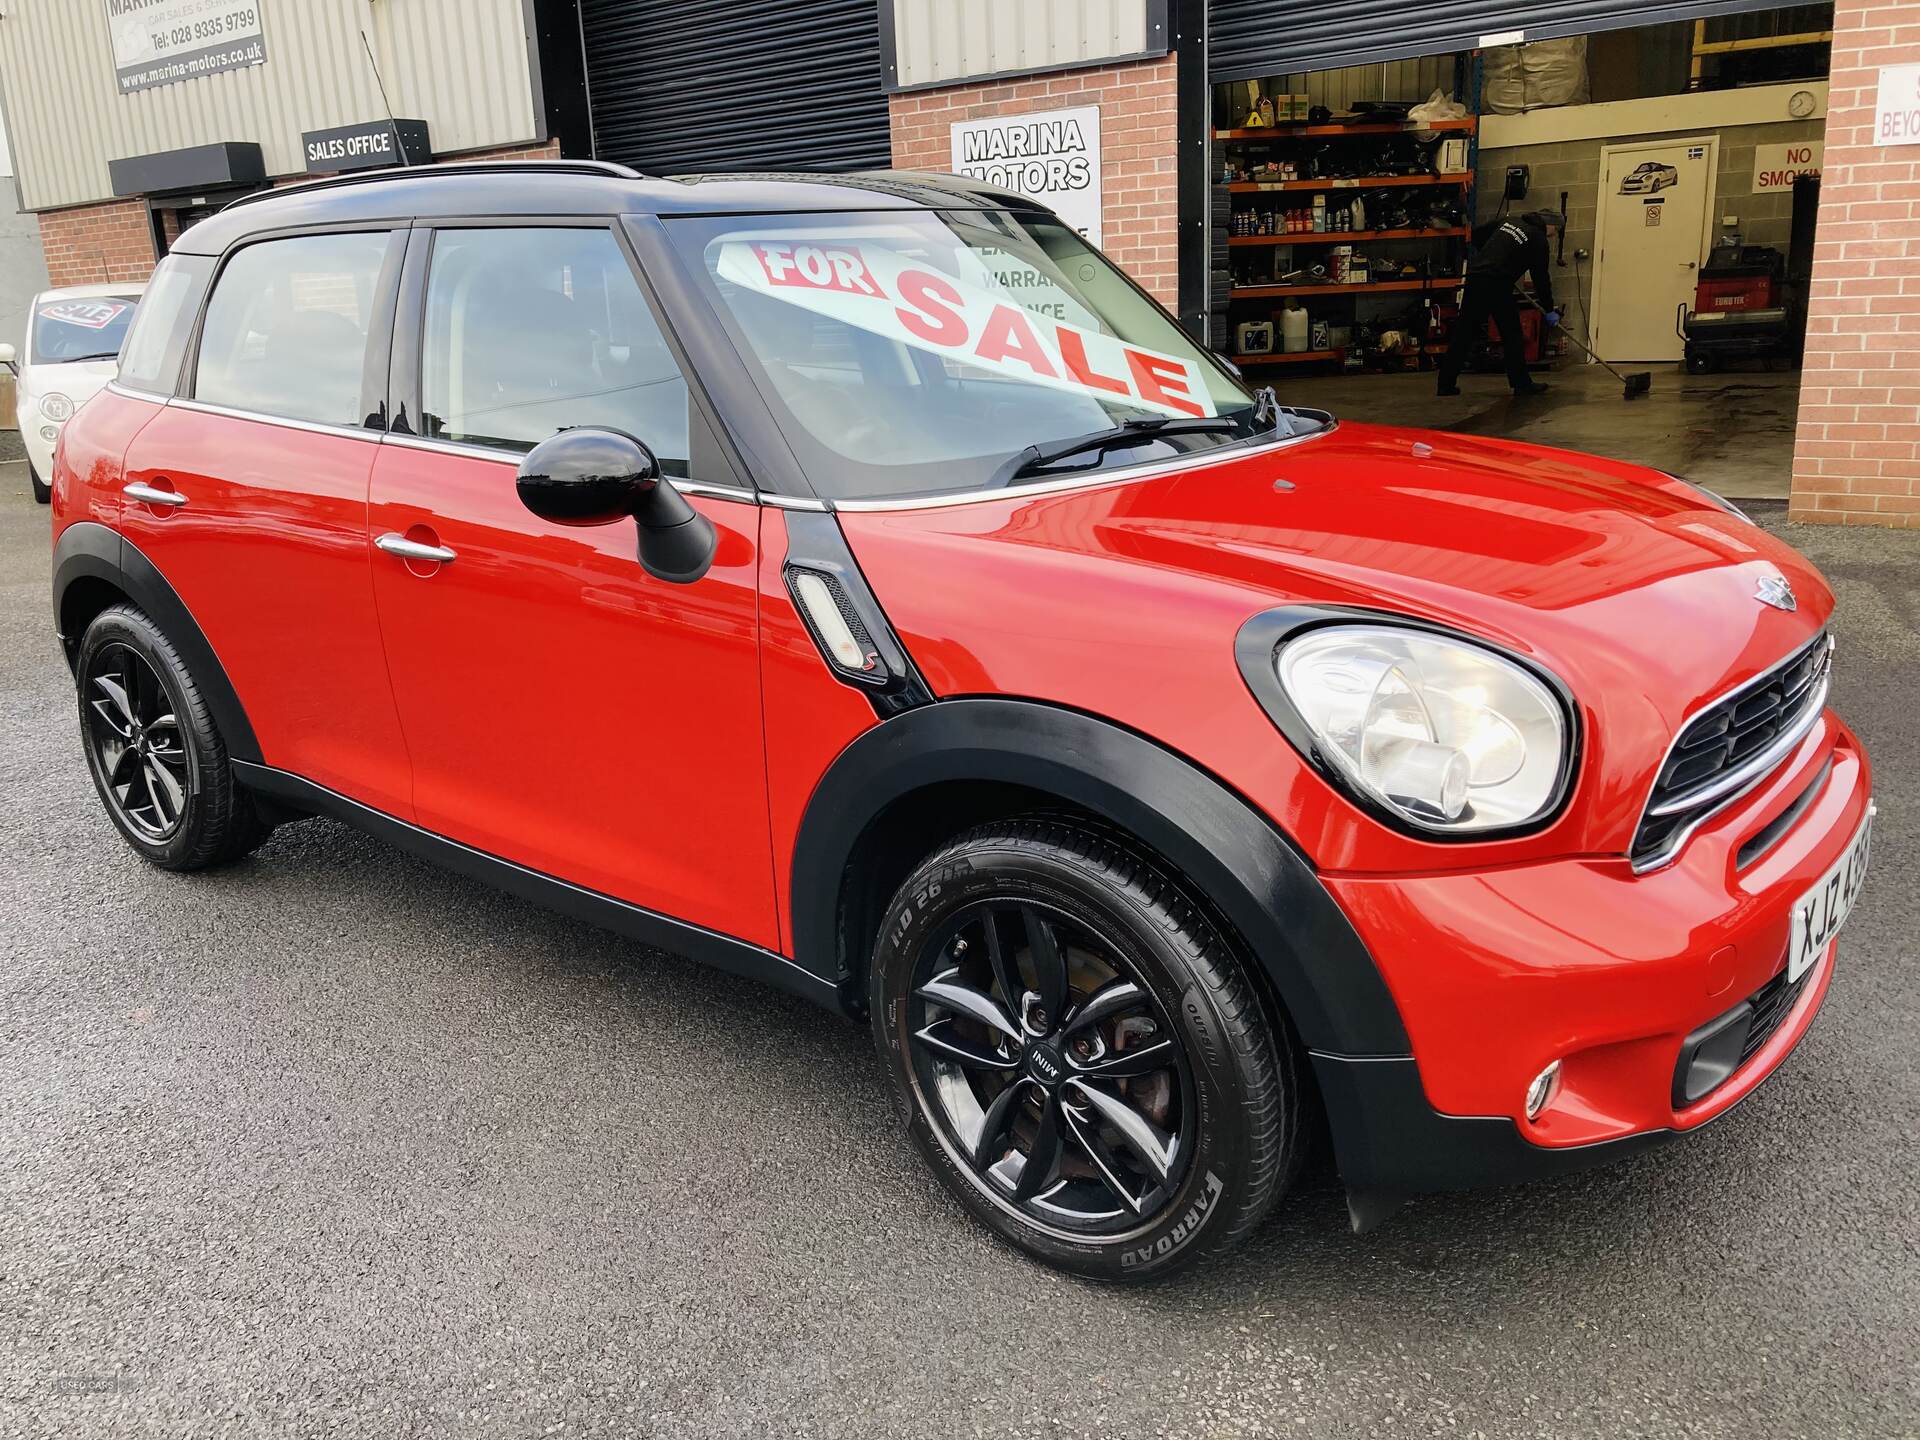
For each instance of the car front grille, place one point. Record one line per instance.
(1729, 747)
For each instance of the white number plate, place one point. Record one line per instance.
(1823, 909)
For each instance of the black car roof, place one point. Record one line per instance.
(532, 188)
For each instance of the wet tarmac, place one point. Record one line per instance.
(1732, 432)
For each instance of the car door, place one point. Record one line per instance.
(249, 494)
(564, 709)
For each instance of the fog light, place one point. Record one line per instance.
(1541, 1090)
(50, 433)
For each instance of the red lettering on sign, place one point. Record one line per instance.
(935, 320)
(818, 267)
(1008, 336)
(1162, 382)
(1073, 353)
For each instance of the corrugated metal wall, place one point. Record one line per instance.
(1248, 39)
(460, 65)
(951, 40)
(708, 85)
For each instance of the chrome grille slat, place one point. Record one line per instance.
(1729, 747)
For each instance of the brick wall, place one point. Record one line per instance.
(94, 244)
(1137, 150)
(1857, 451)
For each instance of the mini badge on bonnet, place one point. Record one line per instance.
(1775, 591)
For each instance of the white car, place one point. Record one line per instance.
(73, 347)
(1649, 178)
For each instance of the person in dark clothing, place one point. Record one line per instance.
(1504, 250)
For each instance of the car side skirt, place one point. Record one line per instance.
(649, 927)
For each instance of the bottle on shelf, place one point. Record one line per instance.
(1293, 328)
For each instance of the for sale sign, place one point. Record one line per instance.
(95, 314)
(1052, 156)
(158, 42)
(970, 321)
(1776, 167)
(1896, 108)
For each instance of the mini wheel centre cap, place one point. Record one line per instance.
(1046, 1064)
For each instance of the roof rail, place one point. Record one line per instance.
(451, 167)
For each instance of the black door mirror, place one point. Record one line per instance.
(590, 476)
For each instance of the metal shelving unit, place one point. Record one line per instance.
(1443, 244)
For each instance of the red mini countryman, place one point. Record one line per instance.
(860, 585)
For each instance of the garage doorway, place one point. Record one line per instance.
(1653, 229)
(1347, 200)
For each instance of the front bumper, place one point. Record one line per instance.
(1499, 973)
(39, 450)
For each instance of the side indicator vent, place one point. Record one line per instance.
(836, 627)
(848, 627)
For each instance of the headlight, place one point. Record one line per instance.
(1444, 733)
(55, 406)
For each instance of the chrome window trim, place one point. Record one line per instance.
(512, 458)
(1120, 476)
(1736, 783)
(446, 447)
(315, 427)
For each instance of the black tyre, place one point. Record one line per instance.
(42, 492)
(156, 757)
(1078, 1055)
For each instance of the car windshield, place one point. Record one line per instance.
(80, 327)
(927, 352)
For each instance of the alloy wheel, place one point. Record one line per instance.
(136, 743)
(1049, 1068)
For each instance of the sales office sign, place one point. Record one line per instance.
(366, 146)
(159, 42)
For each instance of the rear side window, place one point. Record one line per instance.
(286, 329)
(150, 357)
(531, 330)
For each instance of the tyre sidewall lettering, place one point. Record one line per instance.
(1218, 1161)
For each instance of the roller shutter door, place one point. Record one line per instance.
(680, 86)
(1248, 39)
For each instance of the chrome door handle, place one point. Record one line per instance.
(395, 544)
(152, 495)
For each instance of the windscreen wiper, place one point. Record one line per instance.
(1128, 432)
(76, 359)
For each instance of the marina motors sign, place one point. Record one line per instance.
(161, 42)
(1052, 156)
(973, 321)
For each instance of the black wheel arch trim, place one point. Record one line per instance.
(1252, 875)
(90, 550)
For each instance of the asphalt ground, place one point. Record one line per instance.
(333, 1144)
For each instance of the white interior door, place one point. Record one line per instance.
(1655, 205)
